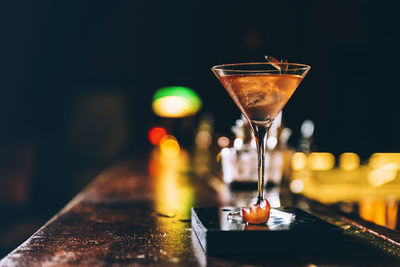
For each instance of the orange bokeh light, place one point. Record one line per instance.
(156, 134)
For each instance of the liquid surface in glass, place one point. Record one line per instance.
(260, 96)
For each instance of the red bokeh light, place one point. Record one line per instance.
(156, 134)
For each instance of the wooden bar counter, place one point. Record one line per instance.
(138, 213)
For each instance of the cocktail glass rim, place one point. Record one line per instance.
(223, 67)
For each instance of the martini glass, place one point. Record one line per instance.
(260, 90)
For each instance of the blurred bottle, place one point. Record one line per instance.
(306, 140)
(286, 152)
(278, 152)
(203, 163)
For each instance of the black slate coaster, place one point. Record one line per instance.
(306, 233)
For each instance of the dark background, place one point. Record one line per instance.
(77, 80)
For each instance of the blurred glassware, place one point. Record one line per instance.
(238, 161)
(238, 168)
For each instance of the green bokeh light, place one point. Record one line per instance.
(176, 101)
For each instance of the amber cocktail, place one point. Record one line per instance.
(260, 90)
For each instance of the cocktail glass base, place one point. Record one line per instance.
(277, 218)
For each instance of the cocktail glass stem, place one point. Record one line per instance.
(260, 134)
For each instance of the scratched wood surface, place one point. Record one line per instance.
(117, 221)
